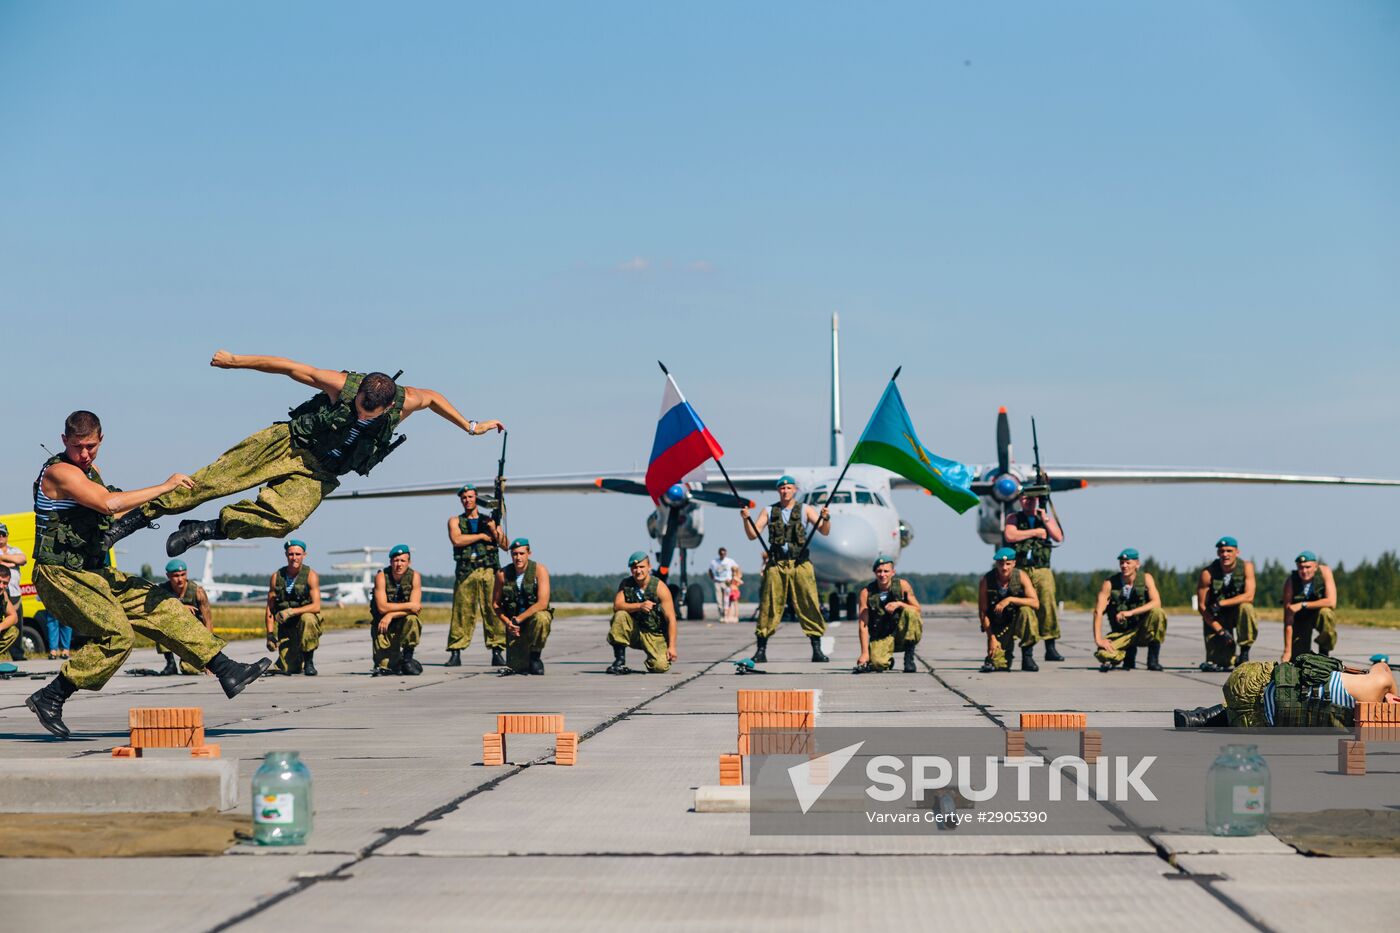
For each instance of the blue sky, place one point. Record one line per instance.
(1167, 231)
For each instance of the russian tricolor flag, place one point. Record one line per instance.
(682, 444)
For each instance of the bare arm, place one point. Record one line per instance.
(415, 599)
(1052, 527)
(1014, 535)
(752, 528)
(663, 593)
(496, 588)
(415, 399)
(329, 381)
(205, 615)
(65, 481)
(984, 611)
(1203, 595)
(541, 592)
(863, 604)
(381, 595)
(821, 521)
(16, 559)
(11, 618)
(1100, 607)
(313, 580)
(1330, 600)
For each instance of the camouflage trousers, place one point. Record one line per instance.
(785, 581)
(403, 632)
(1147, 629)
(534, 632)
(1047, 617)
(112, 608)
(891, 639)
(1244, 694)
(8, 637)
(1239, 621)
(295, 485)
(1306, 622)
(625, 633)
(471, 600)
(1014, 624)
(296, 638)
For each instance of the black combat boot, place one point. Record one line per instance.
(1202, 717)
(235, 675)
(47, 704)
(1130, 658)
(818, 656)
(1243, 656)
(863, 669)
(1106, 666)
(497, 659)
(910, 667)
(1051, 653)
(760, 654)
(619, 664)
(381, 672)
(988, 666)
(408, 665)
(1027, 659)
(454, 658)
(171, 665)
(307, 666)
(1154, 656)
(536, 663)
(130, 523)
(191, 533)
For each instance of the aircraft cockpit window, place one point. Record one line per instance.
(878, 499)
(842, 497)
(863, 497)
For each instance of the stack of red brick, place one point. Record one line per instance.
(166, 727)
(493, 744)
(1375, 722)
(771, 722)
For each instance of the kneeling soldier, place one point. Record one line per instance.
(1129, 598)
(889, 621)
(520, 599)
(1309, 603)
(9, 614)
(398, 598)
(192, 597)
(1006, 604)
(476, 542)
(643, 618)
(294, 613)
(1225, 596)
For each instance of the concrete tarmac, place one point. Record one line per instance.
(411, 829)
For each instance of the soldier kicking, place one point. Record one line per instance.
(348, 426)
(75, 579)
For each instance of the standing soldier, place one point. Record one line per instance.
(644, 618)
(398, 598)
(1130, 600)
(1032, 532)
(294, 612)
(520, 597)
(1309, 604)
(73, 509)
(192, 597)
(1225, 595)
(1006, 604)
(788, 574)
(476, 541)
(347, 426)
(889, 621)
(9, 614)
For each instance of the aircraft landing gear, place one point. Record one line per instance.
(840, 597)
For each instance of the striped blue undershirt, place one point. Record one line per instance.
(1333, 688)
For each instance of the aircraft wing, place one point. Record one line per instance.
(1064, 478)
(215, 590)
(630, 481)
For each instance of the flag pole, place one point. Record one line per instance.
(832, 492)
(747, 519)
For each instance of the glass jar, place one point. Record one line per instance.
(281, 800)
(1237, 792)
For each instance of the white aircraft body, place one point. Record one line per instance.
(865, 522)
(361, 592)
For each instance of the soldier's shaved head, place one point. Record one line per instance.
(82, 424)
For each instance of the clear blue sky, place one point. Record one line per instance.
(1168, 231)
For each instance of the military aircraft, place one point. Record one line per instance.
(865, 522)
(361, 592)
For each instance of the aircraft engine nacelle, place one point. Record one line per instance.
(906, 534)
(990, 521)
(691, 532)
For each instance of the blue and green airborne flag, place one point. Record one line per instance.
(889, 441)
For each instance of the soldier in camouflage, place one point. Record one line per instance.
(1130, 602)
(348, 426)
(293, 616)
(1225, 598)
(520, 598)
(476, 542)
(644, 617)
(192, 596)
(1309, 692)
(1309, 605)
(890, 621)
(395, 626)
(1006, 604)
(788, 575)
(1033, 532)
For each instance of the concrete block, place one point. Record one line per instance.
(722, 799)
(102, 785)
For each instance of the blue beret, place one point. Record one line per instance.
(397, 549)
(175, 566)
(294, 542)
(1128, 553)
(519, 542)
(882, 559)
(467, 488)
(1227, 541)
(1306, 555)
(1004, 553)
(636, 558)
(785, 480)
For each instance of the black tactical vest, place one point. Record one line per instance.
(70, 538)
(323, 427)
(402, 591)
(882, 622)
(301, 589)
(517, 597)
(1219, 589)
(191, 598)
(786, 539)
(1319, 587)
(1295, 707)
(996, 592)
(482, 554)
(1031, 553)
(654, 621)
(1116, 602)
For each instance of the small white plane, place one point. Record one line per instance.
(213, 587)
(865, 522)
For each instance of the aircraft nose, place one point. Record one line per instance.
(850, 549)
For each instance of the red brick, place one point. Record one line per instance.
(126, 751)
